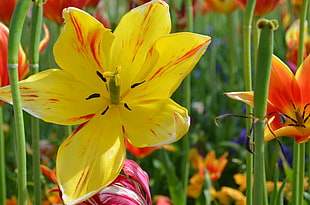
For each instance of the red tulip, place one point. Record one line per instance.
(220, 6)
(6, 10)
(53, 8)
(262, 6)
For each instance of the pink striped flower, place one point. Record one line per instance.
(132, 189)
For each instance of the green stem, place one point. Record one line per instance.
(264, 57)
(187, 103)
(256, 33)
(247, 22)
(2, 161)
(37, 13)
(16, 27)
(232, 50)
(296, 174)
(172, 179)
(299, 149)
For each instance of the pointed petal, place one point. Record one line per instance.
(55, 96)
(283, 87)
(302, 77)
(167, 64)
(45, 40)
(135, 34)
(91, 158)
(83, 47)
(246, 97)
(158, 122)
(288, 131)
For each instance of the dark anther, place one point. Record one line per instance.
(105, 110)
(95, 95)
(101, 76)
(126, 106)
(136, 84)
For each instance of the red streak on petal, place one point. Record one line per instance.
(32, 96)
(123, 128)
(73, 133)
(182, 58)
(82, 117)
(190, 53)
(158, 71)
(27, 100)
(24, 88)
(78, 30)
(53, 100)
(148, 12)
(154, 133)
(82, 179)
(95, 48)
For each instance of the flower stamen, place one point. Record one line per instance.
(106, 109)
(94, 95)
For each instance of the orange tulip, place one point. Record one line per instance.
(288, 110)
(214, 167)
(6, 10)
(220, 6)
(262, 7)
(52, 9)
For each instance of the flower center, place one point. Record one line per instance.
(299, 119)
(114, 84)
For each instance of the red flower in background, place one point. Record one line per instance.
(93, 3)
(52, 9)
(222, 6)
(23, 66)
(101, 14)
(292, 43)
(6, 10)
(141, 152)
(262, 7)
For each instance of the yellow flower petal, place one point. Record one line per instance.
(167, 64)
(154, 123)
(55, 96)
(91, 158)
(83, 47)
(246, 97)
(135, 34)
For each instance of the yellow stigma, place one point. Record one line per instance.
(114, 84)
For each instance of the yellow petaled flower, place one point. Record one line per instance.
(116, 85)
(227, 196)
(292, 41)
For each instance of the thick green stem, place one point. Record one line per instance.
(256, 33)
(2, 161)
(262, 77)
(299, 149)
(16, 27)
(37, 18)
(247, 22)
(296, 174)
